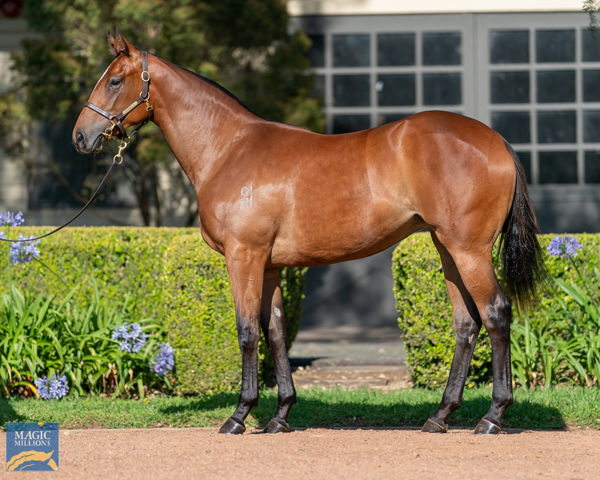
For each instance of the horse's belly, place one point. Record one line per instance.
(341, 239)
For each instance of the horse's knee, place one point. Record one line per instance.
(247, 337)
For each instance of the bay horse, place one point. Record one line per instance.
(272, 195)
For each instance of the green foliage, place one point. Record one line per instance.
(426, 316)
(200, 318)
(121, 262)
(164, 279)
(244, 45)
(557, 342)
(41, 335)
(560, 340)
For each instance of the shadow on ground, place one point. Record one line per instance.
(8, 413)
(363, 409)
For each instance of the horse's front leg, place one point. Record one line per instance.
(246, 284)
(273, 326)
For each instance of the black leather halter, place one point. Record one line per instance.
(144, 97)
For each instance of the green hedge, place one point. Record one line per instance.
(425, 314)
(167, 274)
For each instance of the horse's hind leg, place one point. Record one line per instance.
(474, 265)
(467, 324)
(273, 327)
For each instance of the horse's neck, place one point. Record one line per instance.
(197, 119)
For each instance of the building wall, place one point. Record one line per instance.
(531, 76)
(392, 7)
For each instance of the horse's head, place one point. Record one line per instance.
(112, 106)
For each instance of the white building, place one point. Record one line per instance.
(531, 70)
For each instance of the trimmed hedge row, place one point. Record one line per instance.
(425, 314)
(168, 274)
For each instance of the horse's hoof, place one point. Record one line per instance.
(431, 426)
(277, 425)
(487, 427)
(232, 427)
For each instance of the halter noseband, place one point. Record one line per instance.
(144, 97)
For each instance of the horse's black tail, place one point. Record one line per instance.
(522, 257)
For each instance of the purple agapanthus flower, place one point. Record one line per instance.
(52, 388)
(564, 247)
(130, 336)
(24, 252)
(11, 219)
(164, 360)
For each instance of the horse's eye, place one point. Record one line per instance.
(115, 82)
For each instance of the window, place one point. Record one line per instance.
(442, 48)
(396, 49)
(351, 90)
(510, 87)
(368, 79)
(509, 46)
(396, 89)
(351, 51)
(544, 98)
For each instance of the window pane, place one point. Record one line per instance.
(558, 167)
(319, 86)
(591, 85)
(514, 126)
(350, 123)
(395, 49)
(351, 91)
(316, 52)
(590, 45)
(555, 46)
(592, 166)
(555, 86)
(442, 48)
(591, 126)
(556, 126)
(396, 89)
(509, 87)
(351, 51)
(525, 158)
(509, 46)
(442, 89)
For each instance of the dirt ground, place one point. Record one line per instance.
(202, 453)
(313, 454)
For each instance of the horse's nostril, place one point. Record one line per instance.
(79, 138)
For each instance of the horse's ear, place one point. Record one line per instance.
(118, 44)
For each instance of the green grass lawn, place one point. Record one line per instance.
(533, 409)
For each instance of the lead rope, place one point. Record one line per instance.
(117, 161)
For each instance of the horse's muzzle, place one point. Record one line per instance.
(85, 145)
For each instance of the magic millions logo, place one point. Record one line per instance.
(31, 447)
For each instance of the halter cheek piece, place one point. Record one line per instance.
(116, 120)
